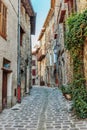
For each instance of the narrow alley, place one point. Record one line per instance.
(44, 109)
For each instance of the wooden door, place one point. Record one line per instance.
(4, 90)
(33, 81)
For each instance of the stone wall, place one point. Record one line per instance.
(81, 5)
(35, 67)
(8, 50)
(85, 60)
(69, 68)
(25, 51)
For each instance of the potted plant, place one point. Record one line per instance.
(66, 90)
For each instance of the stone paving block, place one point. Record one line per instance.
(22, 129)
(83, 128)
(9, 129)
(74, 129)
(44, 109)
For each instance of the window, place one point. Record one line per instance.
(34, 72)
(33, 81)
(15, 92)
(21, 35)
(33, 63)
(70, 7)
(6, 63)
(3, 19)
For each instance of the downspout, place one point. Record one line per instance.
(30, 86)
(18, 58)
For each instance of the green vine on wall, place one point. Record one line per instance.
(76, 34)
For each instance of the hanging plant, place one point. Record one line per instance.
(75, 36)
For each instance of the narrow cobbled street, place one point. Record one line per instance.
(44, 109)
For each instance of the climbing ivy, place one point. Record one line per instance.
(75, 36)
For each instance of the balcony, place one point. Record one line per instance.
(41, 54)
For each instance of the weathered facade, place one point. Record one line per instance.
(41, 61)
(26, 29)
(53, 37)
(64, 62)
(46, 38)
(8, 53)
(9, 49)
(34, 68)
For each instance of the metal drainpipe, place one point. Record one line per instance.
(18, 58)
(25, 75)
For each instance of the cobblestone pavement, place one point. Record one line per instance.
(44, 109)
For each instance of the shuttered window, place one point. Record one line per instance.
(34, 72)
(33, 63)
(70, 7)
(3, 19)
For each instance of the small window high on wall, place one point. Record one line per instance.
(6, 63)
(21, 35)
(33, 63)
(34, 72)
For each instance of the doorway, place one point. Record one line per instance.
(4, 90)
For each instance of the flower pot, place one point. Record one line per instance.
(67, 96)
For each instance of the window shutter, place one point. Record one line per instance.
(33, 72)
(33, 62)
(3, 19)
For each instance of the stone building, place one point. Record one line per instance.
(27, 28)
(64, 60)
(46, 52)
(52, 36)
(41, 60)
(8, 52)
(64, 69)
(34, 67)
(8, 48)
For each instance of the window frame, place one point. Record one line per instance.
(33, 63)
(70, 7)
(34, 72)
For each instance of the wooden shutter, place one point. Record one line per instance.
(70, 6)
(3, 19)
(33, 72)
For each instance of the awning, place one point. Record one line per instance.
(62, 16)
